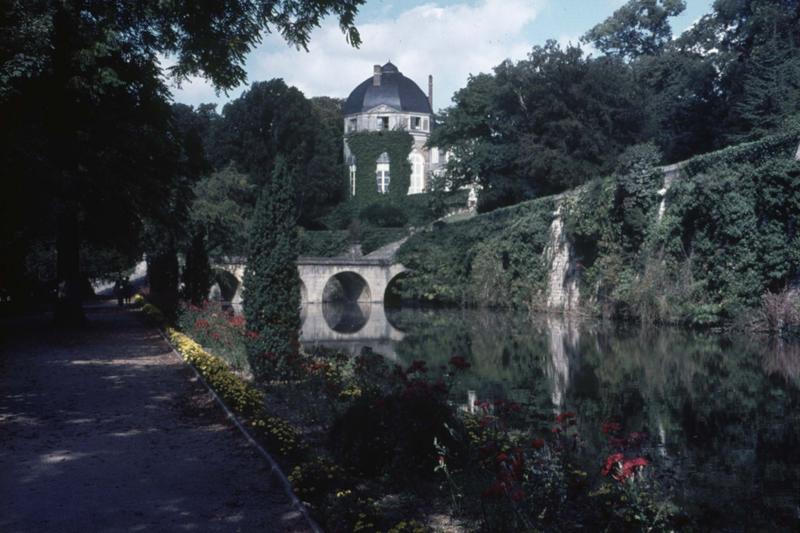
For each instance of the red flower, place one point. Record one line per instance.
(611, 460)
(459, 362)
(517, 494)
(610, 427)
(538, 444)
(501, 457)
(630, 467)
(564, 416)
(252, 335)
(556, 430)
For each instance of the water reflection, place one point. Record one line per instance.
(725, 410)
(349, 327)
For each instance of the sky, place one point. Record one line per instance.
(449, 39)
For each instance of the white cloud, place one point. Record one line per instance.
(449, 42)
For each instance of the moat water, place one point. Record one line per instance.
(722, 411)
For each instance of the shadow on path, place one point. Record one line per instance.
(105, 429)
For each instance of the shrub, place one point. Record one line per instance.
(241, 396)
(383, 215)
(780, 312)
(391, 431)
(217, 329)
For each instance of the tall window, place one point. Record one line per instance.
(352, 124)
(416, 123)
(383, 123)
(382, 177)
(417, 184)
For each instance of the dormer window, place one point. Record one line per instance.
(383, 123)
(425, 124)
(352, 125)
(416, 123)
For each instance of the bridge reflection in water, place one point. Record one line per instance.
(349, 327)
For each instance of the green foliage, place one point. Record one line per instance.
(272, 120)
(390, 427)
(469, 262)
(197, 273)
(162, 275)
(374, 238)
(540, 125)
(725, 237)
(366, 147)
(218, 330)
(223, 205)
(639, 27)
(327, 243)
(383, 215)
(272, 284)
(637, 181)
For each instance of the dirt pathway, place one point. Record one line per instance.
(106, 430)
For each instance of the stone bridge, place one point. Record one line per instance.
(342, 298)
(350, 279)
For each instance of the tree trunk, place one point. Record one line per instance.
(68, 310)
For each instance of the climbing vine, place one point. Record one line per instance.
(366, 147)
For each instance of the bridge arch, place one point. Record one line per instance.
(391, 295)
(229, 285)
(346, 286)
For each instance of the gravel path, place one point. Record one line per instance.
(105, 429)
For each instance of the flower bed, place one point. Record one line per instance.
(387, 433)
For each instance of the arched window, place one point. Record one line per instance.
(417, 184)
(382, 177)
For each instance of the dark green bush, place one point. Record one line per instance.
(394, 434)
(383, 215)
(324, 243)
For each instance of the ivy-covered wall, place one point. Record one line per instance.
(366, 147)
(728, 234)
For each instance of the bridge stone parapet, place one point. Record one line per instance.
(354, 279)
(360, 279)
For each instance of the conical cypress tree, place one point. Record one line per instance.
(271, 282)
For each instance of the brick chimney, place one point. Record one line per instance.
(430, 90)
(376, 75)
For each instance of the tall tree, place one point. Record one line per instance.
(640, 27)
(272, 119)
(271, 282)
(540, 125)
(84, 109)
